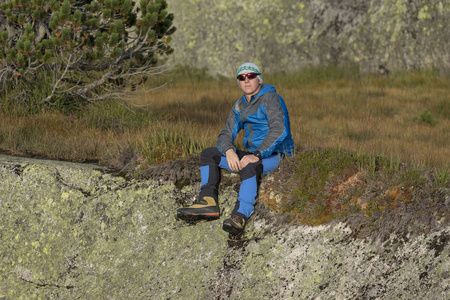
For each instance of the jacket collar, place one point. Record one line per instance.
(264, 89)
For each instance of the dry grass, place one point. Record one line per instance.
(373, 121)
(366, 115)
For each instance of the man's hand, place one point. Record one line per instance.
(233, 160)
(248, 159)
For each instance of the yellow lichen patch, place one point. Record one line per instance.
(268, 196)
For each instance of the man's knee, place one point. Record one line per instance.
(208, 155)
(208, 151)
(254, 169)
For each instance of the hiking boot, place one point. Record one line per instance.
(203, 209)
(234, 225)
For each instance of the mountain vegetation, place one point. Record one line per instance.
(66, 51)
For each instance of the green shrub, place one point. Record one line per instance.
(425, 117)
(91, 49)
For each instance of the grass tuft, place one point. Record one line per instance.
(442, 177)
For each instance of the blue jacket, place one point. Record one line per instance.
(265, 121)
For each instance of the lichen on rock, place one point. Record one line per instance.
(76, 231)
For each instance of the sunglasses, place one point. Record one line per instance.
(249, 76)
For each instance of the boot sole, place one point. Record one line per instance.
(197, 217)
(231, 230)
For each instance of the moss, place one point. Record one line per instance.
(313, 171)
(322, 185)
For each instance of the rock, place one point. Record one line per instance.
(75, 231)
(288, 35)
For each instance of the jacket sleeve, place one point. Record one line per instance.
(229, 132)
(277, 129)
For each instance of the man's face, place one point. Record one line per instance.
(249, 86)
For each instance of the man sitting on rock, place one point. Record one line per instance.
(262, 113)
